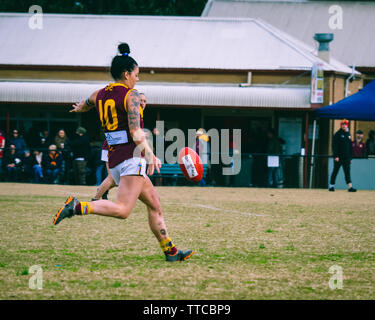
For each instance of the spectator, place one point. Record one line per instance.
(44, 140)
(13, 164)
(2, 147)
(281, 163)
(157, 146)
(342, 154)
(233, 150)
(27, 166)
(51, 163)
(273, 148)
(96, 164)
(81, 153)
(18, 142)
(37, 167)
(358, 146)
(370, 143)
(202, 148)
(63, 146)
(60, 139)
(259, 166)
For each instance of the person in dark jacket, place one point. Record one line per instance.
(27, 166)
(370, 143)
(18, 142)
(51, 163)
(342, 154)
(13, 164)
(273, 147)
(44, 141)
(359, 146)
(81, 154)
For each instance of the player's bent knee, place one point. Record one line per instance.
(122, 211)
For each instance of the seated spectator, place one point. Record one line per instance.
(51, 163)
(27, 166)
(37, 167)
(13, 164)
(18, 142)
(358, 145)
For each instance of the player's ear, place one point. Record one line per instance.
(126, 75)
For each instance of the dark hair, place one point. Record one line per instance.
(122, 62)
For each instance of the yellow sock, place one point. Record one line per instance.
(85, 208)
(167, 246)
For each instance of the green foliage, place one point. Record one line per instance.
(114, 7)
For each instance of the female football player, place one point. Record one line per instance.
(108, 183)
(118, 108)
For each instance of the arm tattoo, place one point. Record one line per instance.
(133, 110)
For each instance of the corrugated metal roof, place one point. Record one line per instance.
(156, 42)
(352, 45)
(162, 94)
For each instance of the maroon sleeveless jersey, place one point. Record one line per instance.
(111, 108)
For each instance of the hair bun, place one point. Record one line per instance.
(123, 48)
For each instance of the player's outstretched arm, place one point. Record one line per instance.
(138, 135)
(85, 105)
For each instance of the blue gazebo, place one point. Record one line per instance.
(359, 106)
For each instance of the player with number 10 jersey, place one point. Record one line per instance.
(112, 111)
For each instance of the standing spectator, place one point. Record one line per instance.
(95, 163)
(37, 167)
(158, 144)
(63, 146)
(18, 142)
(273, 149)
(358, 146)
(13, 164)
(370, 143)
(281, 162)
(51, 163)
(342, 154)
(202, 147)
(259, 165)
(27, 166)
(2, 147)
(81, 153)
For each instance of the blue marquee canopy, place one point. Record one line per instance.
(359, 106)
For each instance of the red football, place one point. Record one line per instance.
(190, 164)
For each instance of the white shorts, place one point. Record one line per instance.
(104, 155)
(131, 167)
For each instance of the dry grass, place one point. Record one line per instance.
(249, 243)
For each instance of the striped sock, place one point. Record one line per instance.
(168, 247)
(82, 208)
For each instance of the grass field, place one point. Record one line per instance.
(249, 244)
